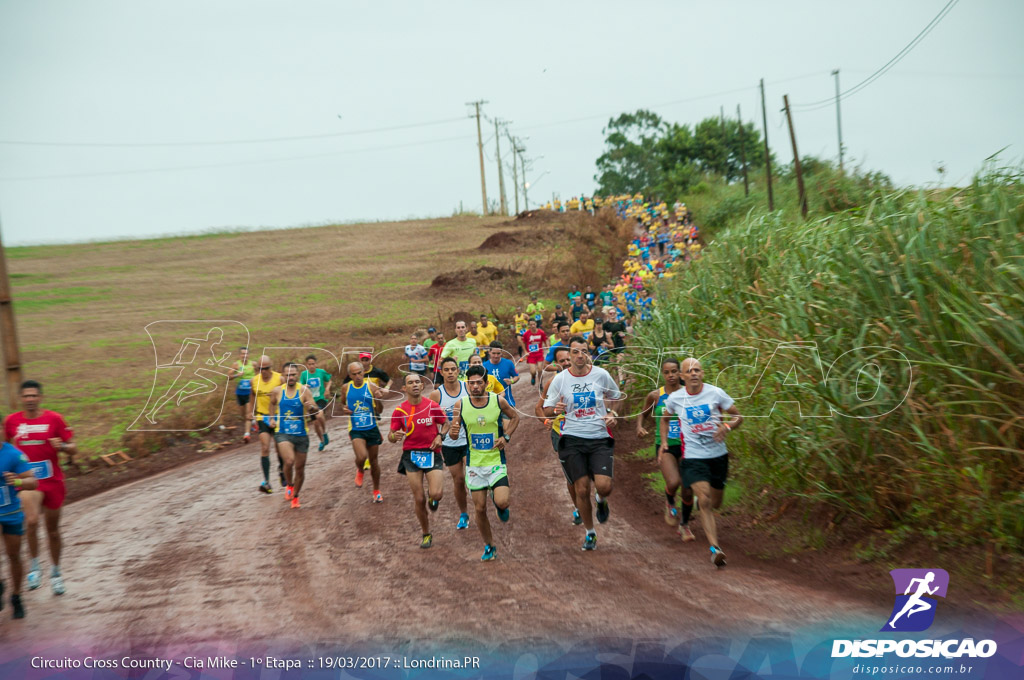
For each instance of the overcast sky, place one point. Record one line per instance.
(137, 72)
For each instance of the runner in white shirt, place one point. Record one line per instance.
(587, 395)
(447, 394)
(705, 465)
(417, 356)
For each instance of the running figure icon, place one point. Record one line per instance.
(915, 604)
(191, 381)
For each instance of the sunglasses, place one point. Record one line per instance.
(265, 368)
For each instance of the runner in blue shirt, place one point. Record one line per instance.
(502, 368)
(17, 477)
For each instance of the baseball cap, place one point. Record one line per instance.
(365, 355)
(431, 330)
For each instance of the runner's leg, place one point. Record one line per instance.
(31, 505)
(702, 492)
(435, 484)
(458, 472)
(299, 473)
(371, 452)
(287, 453)
(584, 502)
(480, 506)
(13, 546)
(419, 500)
(502, 497)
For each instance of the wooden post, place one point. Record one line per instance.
(796, 159)
(9, 335)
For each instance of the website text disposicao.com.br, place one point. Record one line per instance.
(905, 669)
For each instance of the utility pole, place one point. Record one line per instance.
(480, 147)
(796, 159)
(9, 335)
(839, 122)
(725, 144)
(767, 152)
(743, 152)
(522, 167)
(515, 170)
(501, 174)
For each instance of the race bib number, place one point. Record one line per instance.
(292, 426)
(5, 496)
(584, 404)
(537, 318)
(244, 386)
(313, 383)
(362, 421)
(422, 459)
(533, 347)
(449, 413)
(463, 366)
(673, 429)
(43, 469)
(698, 414)
(482, 442)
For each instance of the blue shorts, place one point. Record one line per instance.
(13, 525)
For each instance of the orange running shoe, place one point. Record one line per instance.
(295, 502)
(359, 478)
(289, 492)
(377, 498)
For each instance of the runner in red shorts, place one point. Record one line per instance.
(41, 435)
(536, 341)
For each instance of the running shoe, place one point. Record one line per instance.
(576, 519)
(717, 556)
(603, 511)
(295, 502)
(246, 438)
(280, 473)
(322, 445)
(671, 515)
(377, 498)
(503, 513)
(686, 533)
(19, 609)
(490, 553)
(359, 478)
(327, 439)
(289, 491)
(463, 521)
(533, 380)
(34, 578)
(57, 583)
(366, 465)
(427, 540)
(432, 504)
(590, 542)
(264, 487)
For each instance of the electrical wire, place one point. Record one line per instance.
(822, 103)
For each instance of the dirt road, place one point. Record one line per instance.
(197, 554)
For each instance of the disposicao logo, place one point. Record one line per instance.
(914, 611)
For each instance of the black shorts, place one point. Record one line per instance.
(299, 442)
(372, 437)
(406, 464)
(243, 399)
(453, 455)
(555, 436)
(262, 426)
(676, 450)
(714, 471)
(585, 457)
(321, 404)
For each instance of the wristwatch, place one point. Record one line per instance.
(506, 437)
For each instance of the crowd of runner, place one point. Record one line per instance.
(457, 411)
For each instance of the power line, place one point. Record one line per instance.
(885, 67)
(265, 140)
(142, 171)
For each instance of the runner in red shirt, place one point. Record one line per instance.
(536, 341)
(434, 358)
(41, 435)
(420, 424)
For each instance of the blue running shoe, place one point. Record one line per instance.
(463, 521)
(327, 440)
(576, 519)
(490, 553)
(34, 578)
(322, 445)
(590, 542)
(502, 514)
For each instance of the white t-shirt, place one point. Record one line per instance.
(584, 398)
(416, 354)
(699, 417)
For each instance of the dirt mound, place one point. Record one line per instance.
(504, 240)
(459, 279)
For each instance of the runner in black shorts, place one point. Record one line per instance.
(654, 404)
(289, 404)
(447, 394)
(360, 399)
(587, 395)
(700, 409)
(561, 362)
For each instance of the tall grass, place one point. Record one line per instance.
(938, 278)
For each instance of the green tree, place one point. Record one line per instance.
(631, 162)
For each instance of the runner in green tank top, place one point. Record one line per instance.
(485, 463)
(245, 373)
